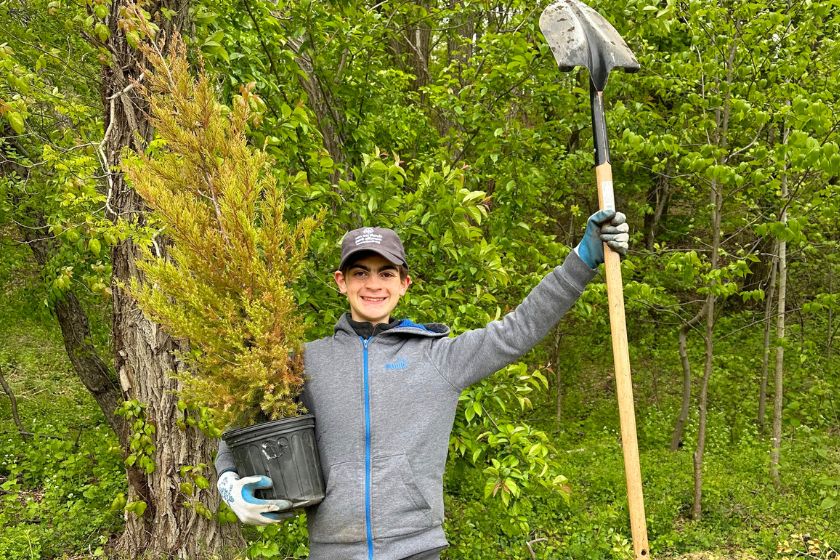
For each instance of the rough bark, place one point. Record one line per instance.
(765, 355)
(143, 353)
(95, 374)
(417, 37)
(145, 357)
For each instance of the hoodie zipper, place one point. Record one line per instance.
(366, 385)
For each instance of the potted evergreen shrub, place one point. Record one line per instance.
(224, 282)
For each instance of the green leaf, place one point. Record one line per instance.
(512, 487)
(138, 508)
(119, 503)
(16, 121)
(9, 485)
(489, 489)
(94, 246)
(102, 32)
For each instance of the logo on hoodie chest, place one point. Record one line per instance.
(399, 363)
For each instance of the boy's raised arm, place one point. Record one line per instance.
(475, 354)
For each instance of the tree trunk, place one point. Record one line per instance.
(696, 510)
(92, 370)
(558, 337)
(765, 355)
(411, 43)
(830, 330)
(419, 38)
(722, 115)
(168, 528)
(461, 36)
(96, 375)
(658, 197)
(13, 402)
(325, 106)
(780, 337)
(780, 356)
(171, 525)
(682, 419)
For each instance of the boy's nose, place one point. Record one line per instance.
(373, 282)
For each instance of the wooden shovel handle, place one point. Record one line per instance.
(623, 383)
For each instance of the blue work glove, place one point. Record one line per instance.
(604, 226)
(238, 493)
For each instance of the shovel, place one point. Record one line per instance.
(580, 36)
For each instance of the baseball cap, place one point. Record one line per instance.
(382, 241)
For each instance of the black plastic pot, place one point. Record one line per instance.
(285, 451)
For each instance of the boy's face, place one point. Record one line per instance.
(373, 288)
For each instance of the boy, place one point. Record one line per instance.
(384, 392)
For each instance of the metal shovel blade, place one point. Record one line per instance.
(580, 36)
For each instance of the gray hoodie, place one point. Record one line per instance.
(384, 409)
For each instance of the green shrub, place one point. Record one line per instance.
(225, 284)
(56, 492)
(286, 541)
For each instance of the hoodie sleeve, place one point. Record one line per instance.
(224, 459)
(473, 355)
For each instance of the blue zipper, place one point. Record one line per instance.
(368, 525)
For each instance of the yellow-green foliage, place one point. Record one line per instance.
(225, 282)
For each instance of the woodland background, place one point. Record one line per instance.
(449, 121)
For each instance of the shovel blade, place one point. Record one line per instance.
(580, 36)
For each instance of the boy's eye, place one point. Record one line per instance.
(359, 274)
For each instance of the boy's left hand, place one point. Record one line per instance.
(604, 226)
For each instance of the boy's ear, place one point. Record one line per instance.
(405, 284)
(340, 281)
